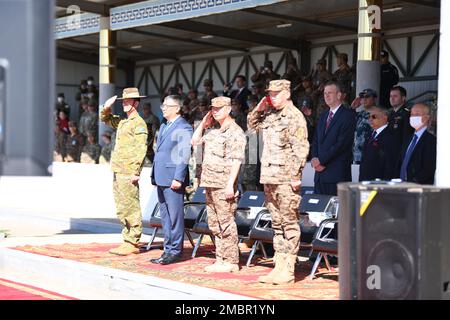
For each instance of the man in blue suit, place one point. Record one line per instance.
(332, 144)
(170, 175)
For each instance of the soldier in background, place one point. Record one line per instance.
(209, 93)
(284, 156)
(61, 105)
(399, 116)
(389, 77)
(224, 151)
(74, 143)
(91, 151)
(126, 162)
(343, 75)
(320, 77)
(105, 155)
(59, 152)
(265, 74)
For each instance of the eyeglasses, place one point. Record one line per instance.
(165, 106)
(373, 116)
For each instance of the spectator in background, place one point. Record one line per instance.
(105, 154)
(209, 93)
(381, 150)
(418, 158)
(82, 93)
(363, 130)
(259, 90)
(306, 97)
(293, 74)
(343, 74)
(74, 144)
(61, 105)
(265, 74)
(320, 76)
(399, 116)
(389, 77)
(92, 91)
(238, 115)
(179, 88)
(240, 94)
(150, 119)
(252, 102)
(91, 151)
(63, 122)
(89, 119)
(193, 99)
(59, 152)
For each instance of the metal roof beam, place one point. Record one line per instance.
(232, 33)
(86, 6)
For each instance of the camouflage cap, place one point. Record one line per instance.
(220, 102)
(279, 85)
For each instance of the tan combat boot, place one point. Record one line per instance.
(125, 249)
(214, 266)
(278, 259)
(224, 266)
(287, 274)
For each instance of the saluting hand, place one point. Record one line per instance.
(262, 105)
(108, 104)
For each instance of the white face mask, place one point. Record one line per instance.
(60, 100)
(90, 83)
(415, 122)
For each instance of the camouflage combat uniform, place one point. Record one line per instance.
(74, 145)
(284, 155)
(105, 154)
(126, 161)
(222, 148)
(88, 123)
(90, 153)
(60, 147)
(344, 77)
(362, 131)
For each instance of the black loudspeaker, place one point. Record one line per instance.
(27, 68)
(394, 241)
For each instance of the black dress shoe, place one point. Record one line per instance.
(171, 258)
(160, 259)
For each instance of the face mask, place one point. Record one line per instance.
(90, 83)
(60, 100)
(415, 122)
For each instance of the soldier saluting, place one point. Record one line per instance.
(224, 152)
(126, 162)
(284, 155)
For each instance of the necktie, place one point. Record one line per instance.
(407, 158)
(165, 128)
(372, 137)
(330, 117)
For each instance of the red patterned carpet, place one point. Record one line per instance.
(244, 282)
(10, 290)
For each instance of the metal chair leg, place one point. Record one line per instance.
(155, 230)
(188, 234)
(327, 263)
(261, 245)
(197, 245)
(252, 253)
(213, 240)
(316, 264)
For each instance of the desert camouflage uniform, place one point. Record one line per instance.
(223, 147)
(90, 153)
(126, 161)
(284, 155)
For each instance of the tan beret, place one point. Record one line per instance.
(279, 85)
(220, 102)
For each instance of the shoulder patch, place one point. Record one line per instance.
(141, 130)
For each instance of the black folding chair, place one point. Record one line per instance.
(245, 216)
(192, 209)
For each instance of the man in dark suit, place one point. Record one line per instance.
(241, 93)
(170, 175)
(382, 148)
(418, 158)
(332, 144)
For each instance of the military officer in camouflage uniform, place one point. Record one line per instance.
(284, 155)
(363, 129)
(343, 75)
(74, 144)
(126, 162)
(91, 151)
(320, 77)
(224, 151)
(89, 120)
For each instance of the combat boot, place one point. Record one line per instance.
(287, 274)
(224, 267)
(278, 260)
(125, 249)
(214, 266)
